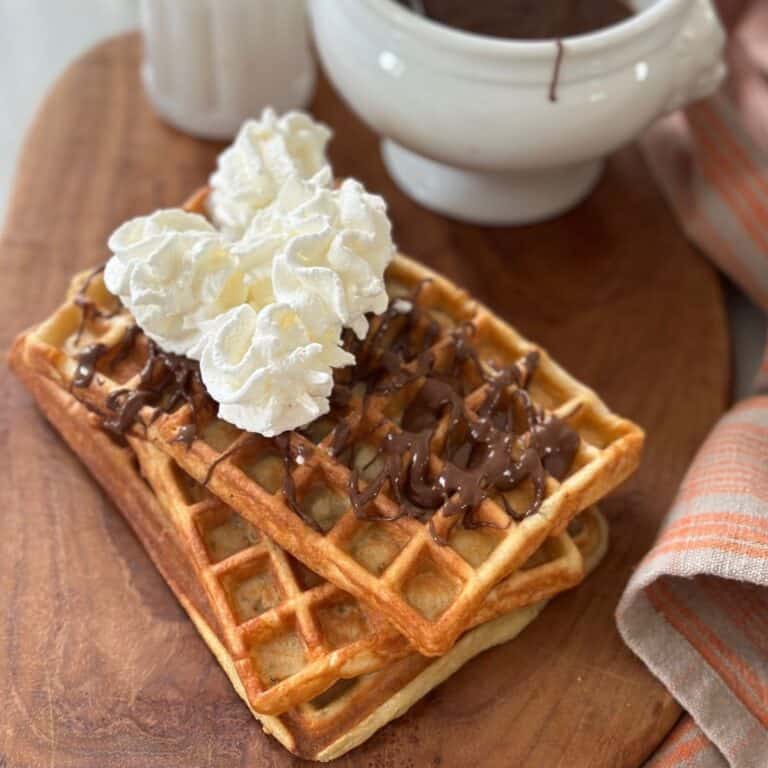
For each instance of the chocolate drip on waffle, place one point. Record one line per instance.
(165, 382)
(443, 457)
(397, 336)
(89, 308)
(290, 452)
(87, 360)
(489, 451)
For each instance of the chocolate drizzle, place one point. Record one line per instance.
(447, 455)
(486, 451)
(290, 452)
(126, 345)
(186, 435)
(398, 336)
(402, 334)
(236, 447)
(407, 479)
(165, 381)
(87, 360)
(88, 308)
(556, 70)
(340, 438)
(557, 444)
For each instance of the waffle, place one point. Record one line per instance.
(421, 580)
(347, 714)
(267, 603)
(292, 634)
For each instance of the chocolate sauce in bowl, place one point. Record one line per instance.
(523, 19)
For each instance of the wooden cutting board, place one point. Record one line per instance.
(98, 664)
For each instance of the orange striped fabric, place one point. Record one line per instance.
(696, 608)
(686, 747)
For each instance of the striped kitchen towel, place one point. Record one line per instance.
(696, 609)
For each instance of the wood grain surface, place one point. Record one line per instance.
(98, 664)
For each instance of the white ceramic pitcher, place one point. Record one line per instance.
(211, 64)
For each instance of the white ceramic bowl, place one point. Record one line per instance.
(469, 128)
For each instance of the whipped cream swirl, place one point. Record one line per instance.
(261, 298)
(174, 272)
(265, 154)
(330, 250)
(266, 369)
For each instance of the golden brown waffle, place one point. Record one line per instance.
(347, 714)
(429, 591)
(292, 634)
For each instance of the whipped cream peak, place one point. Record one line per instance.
(336, 244)
(160, 222)
(266, 370)
(266, 153)
(262, 295)
(173, 271)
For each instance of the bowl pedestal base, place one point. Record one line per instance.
(488, 197)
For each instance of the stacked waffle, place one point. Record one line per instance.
(340, 571)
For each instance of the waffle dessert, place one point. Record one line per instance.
(328, 725)
(332, 495)
(277, 547)
(385, 497)
(425, 583)
(266, 602)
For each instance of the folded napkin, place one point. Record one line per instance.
(696, 609)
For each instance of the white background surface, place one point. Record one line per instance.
(38, 38)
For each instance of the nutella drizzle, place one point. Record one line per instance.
(165, 381)
(289, 454)
(489, 451)
(87, 360)
(397, 337)
(126, 345)
(557, 444)
(236, 447)
(341, 435)
(556, 70)
(443, 457)
(88, 308)
(186, 435)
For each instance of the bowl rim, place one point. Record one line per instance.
(473, 44)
